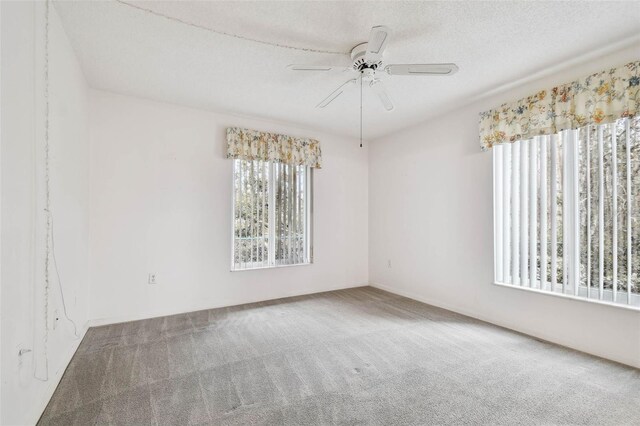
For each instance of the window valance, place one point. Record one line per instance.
(599, 98)
(249, 144)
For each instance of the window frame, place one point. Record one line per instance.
(308, 228)
(571, 228)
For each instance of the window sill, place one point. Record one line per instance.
(271, 267)
(632, 307)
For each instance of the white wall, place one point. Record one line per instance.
(430, 199)
(161, 202)
(22, 396)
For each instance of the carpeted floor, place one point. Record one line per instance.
(358, 356)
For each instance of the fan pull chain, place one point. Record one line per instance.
(360, 109)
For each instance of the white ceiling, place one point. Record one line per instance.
(127, 50)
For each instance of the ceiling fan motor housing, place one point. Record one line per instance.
(358, 56)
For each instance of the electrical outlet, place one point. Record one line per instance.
(152, 278)
(388, 263)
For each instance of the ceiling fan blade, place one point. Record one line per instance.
(378, 88)
(378, 39)
(421, 69)
(326, 101)
(302, 67)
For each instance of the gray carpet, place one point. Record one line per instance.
(359, 356)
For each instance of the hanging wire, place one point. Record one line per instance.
(224, 33)
(47, 274)
(49, 236)
(55, 264)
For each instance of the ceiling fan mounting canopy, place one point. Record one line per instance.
(367, 61)
(358, 55)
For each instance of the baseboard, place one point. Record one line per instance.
(53, 382)
(96, 322)
(433, 302)
(475, 315)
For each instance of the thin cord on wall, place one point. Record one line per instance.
(55, 264)
(50, 237)
(226, 34)
(47, 197)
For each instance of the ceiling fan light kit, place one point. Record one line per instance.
(367, 60)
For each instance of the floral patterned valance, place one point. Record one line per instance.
(596, 99)
(254, 145)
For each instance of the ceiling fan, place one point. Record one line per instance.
(368, 62)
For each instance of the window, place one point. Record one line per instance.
(271, 214)
(567, 213)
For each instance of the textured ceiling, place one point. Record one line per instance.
(131, 51)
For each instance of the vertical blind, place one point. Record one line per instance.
(567, 212)
(271, 214)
